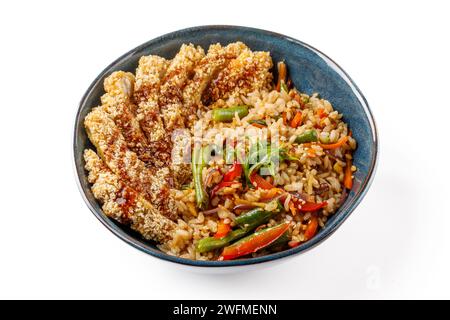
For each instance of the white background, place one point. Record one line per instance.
(395, 245)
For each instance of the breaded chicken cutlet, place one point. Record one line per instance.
(125, 204)
(132, 130)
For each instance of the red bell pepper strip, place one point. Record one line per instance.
(233, 173)
(293, 244)
(260, 182)
(223, 229)
(312, 206)
(254, 242)
(311, 229)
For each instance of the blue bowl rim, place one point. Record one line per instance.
(111, 226)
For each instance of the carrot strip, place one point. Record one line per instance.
(296, 120)
(348, 180)
(282, 73)
(292, 208)
(258, 125)
(336, 145)
(311, 153)
(321, 113)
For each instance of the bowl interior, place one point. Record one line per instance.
(310, 70)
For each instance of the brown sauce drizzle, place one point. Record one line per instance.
(126, 199)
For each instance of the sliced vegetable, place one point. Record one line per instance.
(336, 145)
(250, 203)
(282, 74)
(321, 113)
(243, 207)
(307, 136)
(312, 206)
(234, 172)
(223, 229)
(208, 177)
(272, 193)
(281, 241)
(259, 182)
(292, 208)
(286, 156)
(268, 157)
(311, 229)
(348, 180)
(257, 125)
(301, 101)
(284, 115)
(254, 242)
(293, 243)
(259, 121)
(211, 243)
(253, 218)
(186, 186)
(311, 153)
(227, 114)
(289, 83)
(283, 86)
(211, 211)
(296, 120)
(198, 163)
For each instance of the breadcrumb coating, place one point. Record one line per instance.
(207, 69)
(124, 204)
(171, 100)
(149, 75)
(171, 94)
(117, 102)
(250, 71)
(154, 185)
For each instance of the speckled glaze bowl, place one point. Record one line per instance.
(310, 70)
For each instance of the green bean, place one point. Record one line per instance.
(307, 136)
(253, 218)
(281, 241)
(198, 163)
(227, 114)
(211, 243)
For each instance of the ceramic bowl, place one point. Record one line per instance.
(310, 70)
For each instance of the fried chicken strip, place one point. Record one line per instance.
(117, 102)
(125, 204)
(149, 74)
(171, 94)
(153, 184)
(250, 71)
(207, 69)
(173, 114)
